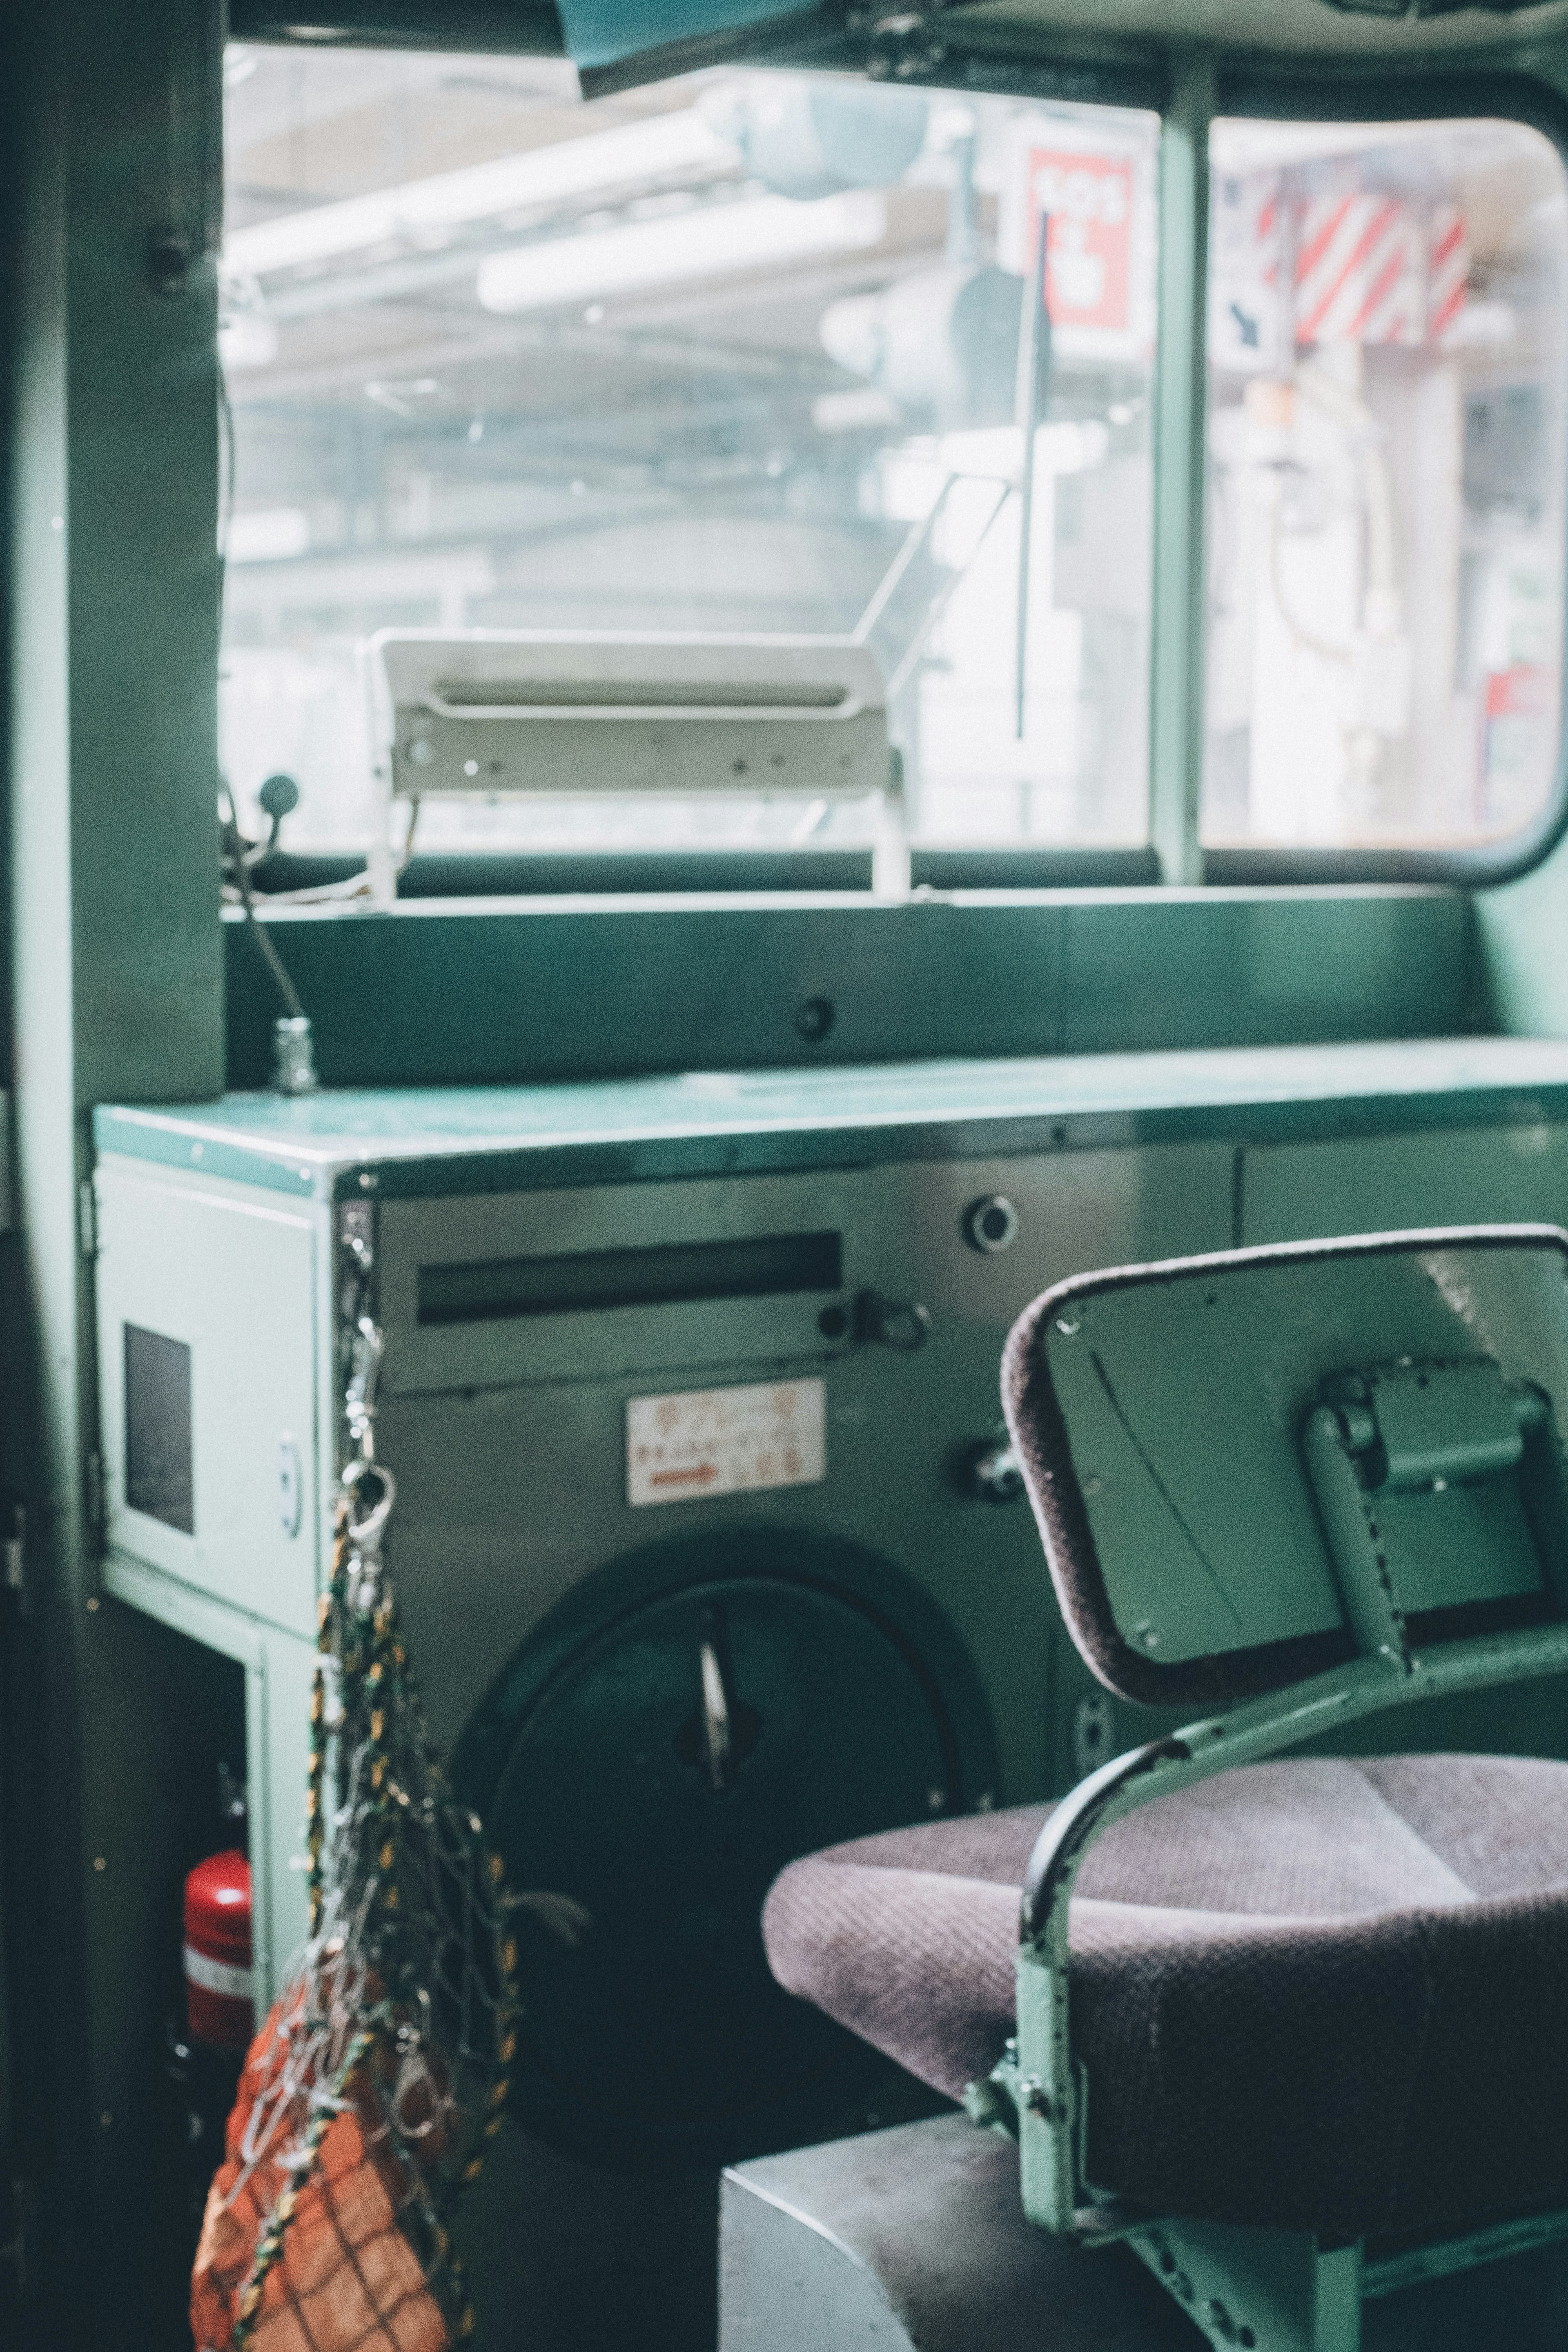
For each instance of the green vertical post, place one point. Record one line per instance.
(1176, 715)
(116, 976)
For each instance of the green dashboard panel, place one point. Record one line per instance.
(1349, 1103)
(498, 992)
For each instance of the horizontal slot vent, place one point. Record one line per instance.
(671, 1275)
(641, 694)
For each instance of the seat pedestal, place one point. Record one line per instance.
(1271, 2289)
(915, 2237)
(914, 2240)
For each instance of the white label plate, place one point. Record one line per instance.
(702, 1442)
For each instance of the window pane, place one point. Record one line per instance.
(1386, 432)
(741, 353)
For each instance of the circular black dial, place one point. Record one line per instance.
(656, 1782)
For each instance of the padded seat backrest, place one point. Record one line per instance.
(1251, 1467)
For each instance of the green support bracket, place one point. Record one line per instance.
(1262, 2290)
(1181, 389)
(1278, 2291)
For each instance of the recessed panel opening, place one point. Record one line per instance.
(158, 1478)
(670, 1274)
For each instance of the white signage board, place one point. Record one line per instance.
(700, 1442)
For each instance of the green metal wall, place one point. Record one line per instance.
(1522, 938)
(436, 992)
(117, 980)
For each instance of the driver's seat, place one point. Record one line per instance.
(1299, 2031)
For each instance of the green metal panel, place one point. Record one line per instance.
(1185, 1401)
(279, 1671)
(535, 1407)
(418, 1141)
(1521, 930)
(529, 27)
(233, 1282)
(434, 992)
(1470, 1176)
(1171, 969)
(7, 2093)
(117, 969)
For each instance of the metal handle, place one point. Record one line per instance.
(1074, 1822)
(849, 706)
(365, 1526)
(716, 1711)
(898, 1323)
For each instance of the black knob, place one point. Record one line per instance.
(279, 796)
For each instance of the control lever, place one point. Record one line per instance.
(899, 1323)
(715, 1705)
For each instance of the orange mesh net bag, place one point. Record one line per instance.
(371, 2091)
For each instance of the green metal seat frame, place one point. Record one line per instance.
(1415, 1424)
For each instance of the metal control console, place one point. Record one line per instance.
(708, 1544)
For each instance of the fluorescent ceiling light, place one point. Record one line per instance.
(750, 234)
(681, 141)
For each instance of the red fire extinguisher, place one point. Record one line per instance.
(219, 2001)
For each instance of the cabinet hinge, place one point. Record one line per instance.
(96, 1515)
(14, 2247)
(14, 1560)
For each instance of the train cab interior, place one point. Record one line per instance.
(784, 1231)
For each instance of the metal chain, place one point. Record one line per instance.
(366, 1493)
(364, 1699)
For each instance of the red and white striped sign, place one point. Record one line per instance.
(1359, 271)
(1447, 269)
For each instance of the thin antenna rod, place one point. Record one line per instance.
(1034, 383)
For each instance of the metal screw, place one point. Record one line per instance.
(814, 1019)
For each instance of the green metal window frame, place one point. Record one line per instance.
(1388, 95)
(1192, 88)
(1188, 88)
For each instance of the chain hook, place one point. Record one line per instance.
(367, 1517)
(359, 1398)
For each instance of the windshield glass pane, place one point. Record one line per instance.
(742, 353)
(1387, 436)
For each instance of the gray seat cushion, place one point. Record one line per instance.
(1321, 1995)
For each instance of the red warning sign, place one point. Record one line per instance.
(1088, 201)
(1090, 196)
